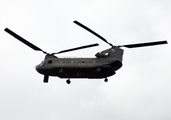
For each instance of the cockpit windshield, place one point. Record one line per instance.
(41, 63)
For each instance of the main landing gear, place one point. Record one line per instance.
(68, 81)
(106, 80)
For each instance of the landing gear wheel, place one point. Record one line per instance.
(106, 80)
(68, 81)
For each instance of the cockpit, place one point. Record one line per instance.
(39, 65)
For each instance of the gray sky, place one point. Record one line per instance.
(140, 90)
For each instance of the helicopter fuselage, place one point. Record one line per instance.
(105, 65)
(79, 67)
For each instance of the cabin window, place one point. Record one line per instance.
(49, 61)
(72, 61)
(94, 61)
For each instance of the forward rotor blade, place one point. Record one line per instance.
(144, 44)
(91, 31)
(23, 40)
(77, 48)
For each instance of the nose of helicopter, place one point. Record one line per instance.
(43, 70)
(37, 68)
(40, 68)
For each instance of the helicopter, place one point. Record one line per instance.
(103, 65)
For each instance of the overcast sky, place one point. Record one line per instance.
(140, 90)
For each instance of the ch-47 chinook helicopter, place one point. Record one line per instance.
(105, 64)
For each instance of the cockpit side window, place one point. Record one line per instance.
(49, 61)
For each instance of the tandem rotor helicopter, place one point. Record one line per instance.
(105, 64)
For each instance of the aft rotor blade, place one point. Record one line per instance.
(91, 31)
(77, 48)
(144, 44)
(23, 40)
